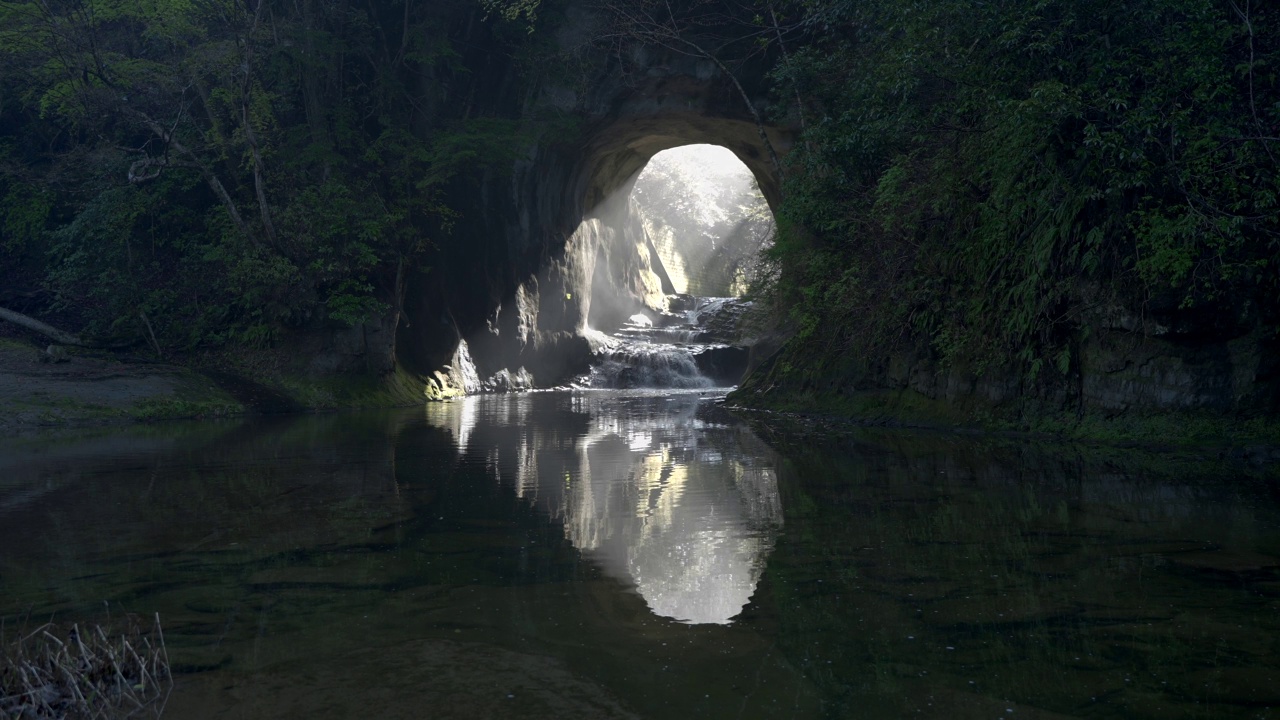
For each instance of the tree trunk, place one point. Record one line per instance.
(786, 61)
(48, 331)
(259, 184)
(212, 180)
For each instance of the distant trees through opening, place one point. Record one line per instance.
(706, 218)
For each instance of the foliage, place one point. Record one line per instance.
(514, 10)
(983, 181)
(991, 179)
(214, 173)
(707, 218)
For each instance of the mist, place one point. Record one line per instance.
(705, 215)
(692, 222)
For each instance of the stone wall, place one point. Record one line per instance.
(1114, 371)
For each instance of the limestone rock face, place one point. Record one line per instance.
(552, 247)
(1150, 368)
(365, 348)
(456, 379)
(1126, 369)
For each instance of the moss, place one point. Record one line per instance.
(438, 390)
(196, 397)
(398, 389)
(173, 408)
(15, 344)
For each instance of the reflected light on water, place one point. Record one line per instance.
(683, 509)
(521, 556)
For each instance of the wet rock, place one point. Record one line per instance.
(457, 378)
(506, 381)
(55, 354)
(681, 302)
(724, 364)
(723, 319)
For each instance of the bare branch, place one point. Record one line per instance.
(658, 23)
(210, 179)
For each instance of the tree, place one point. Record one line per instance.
(228, 168)
(986, 180)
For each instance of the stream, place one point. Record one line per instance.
(605, 553)
(685, 347)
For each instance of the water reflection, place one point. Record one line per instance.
(663, 495)
(506, 556)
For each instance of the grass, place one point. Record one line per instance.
(174, 408)
(195, 397)
(282, 373)
(89, 673)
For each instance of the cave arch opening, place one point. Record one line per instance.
(575, 263)
(676, 247)
(693, 224)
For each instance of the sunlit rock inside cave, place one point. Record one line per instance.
(706, 218)
(650, 291)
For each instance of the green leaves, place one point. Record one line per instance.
(525, 11)
(235, 169)
(997, 172)
(25, 210)
(352, 303)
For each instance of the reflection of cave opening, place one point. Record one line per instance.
(684, 510)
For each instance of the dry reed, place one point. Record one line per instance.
(88, 673)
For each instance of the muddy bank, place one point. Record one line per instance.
(96, 388)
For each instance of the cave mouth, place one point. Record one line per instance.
(700, 224)
(684, 246)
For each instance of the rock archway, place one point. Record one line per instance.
(512, 306)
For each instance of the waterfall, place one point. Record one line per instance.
(648, 365)
(676, 350)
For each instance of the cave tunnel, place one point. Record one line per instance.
(565, 258)
(681, 244)
(611, 221)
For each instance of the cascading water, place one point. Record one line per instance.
(677, 350)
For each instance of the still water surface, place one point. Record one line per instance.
(605, 554)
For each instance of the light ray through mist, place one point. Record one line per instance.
(706, 218)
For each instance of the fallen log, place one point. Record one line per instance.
(48, 331)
